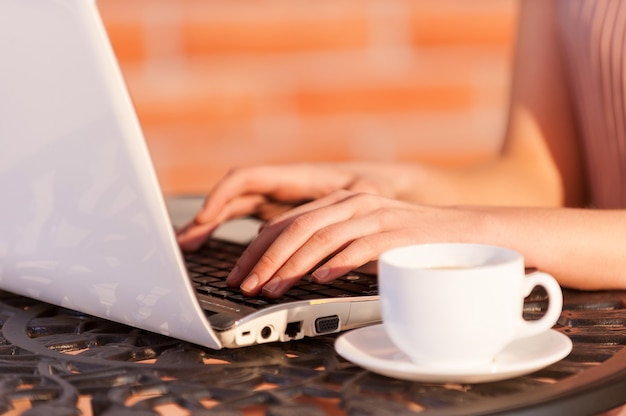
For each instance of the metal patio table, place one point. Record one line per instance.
(54, 361)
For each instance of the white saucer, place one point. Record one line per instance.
(370, 348)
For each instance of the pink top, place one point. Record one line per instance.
(594, 36)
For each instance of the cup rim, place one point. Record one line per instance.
(508, 255)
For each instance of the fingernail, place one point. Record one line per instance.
(320, 274)
(272, 287)
(233, 275)
(250, 283)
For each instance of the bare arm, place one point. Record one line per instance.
(540, 162)
(582, 248)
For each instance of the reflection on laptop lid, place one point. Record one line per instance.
(84, 224)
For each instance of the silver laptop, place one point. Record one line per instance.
(83, 222)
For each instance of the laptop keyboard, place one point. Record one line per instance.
(209, 266)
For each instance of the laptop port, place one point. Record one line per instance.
(266, 332)
(327, 324)
(293, 329)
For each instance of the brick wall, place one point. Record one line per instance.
(222, 83)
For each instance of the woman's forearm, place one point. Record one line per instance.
(582, 248)
(503, 180)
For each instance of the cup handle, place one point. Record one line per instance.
(555, 303)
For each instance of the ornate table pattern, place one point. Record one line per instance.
(55, 361)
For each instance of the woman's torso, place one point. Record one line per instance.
(594, 36)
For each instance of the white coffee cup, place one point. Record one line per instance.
(457, 305)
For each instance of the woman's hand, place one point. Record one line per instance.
(265, 191)
(343, 230)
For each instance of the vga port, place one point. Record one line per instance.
(327, 324)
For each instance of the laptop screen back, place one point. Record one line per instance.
(83, 222)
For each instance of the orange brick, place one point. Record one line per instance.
(384, 99)
(163, 96)
(197, 109)
(128, 41)
(486, 22)
(200, 38)
(123, 23)
(459, 30)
